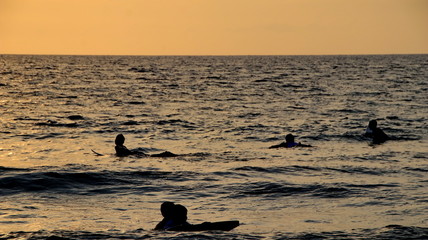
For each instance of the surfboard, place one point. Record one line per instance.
(98, 154)
(208, 226)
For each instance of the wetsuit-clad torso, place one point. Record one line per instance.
(122, 151)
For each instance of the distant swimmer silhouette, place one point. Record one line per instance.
(123, 151)
(175, 219)
(289, 143)
(375, 133)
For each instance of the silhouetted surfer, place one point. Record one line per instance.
(166, 211)
(175, 219)
(123, 151)
(289, 143)
(375, 133)
(175, 215)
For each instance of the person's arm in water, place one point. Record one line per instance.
(285, 145)
(279, 145)
(303, 145)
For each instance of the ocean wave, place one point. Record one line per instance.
(279, 170)
(257, 127)
(9, 169)
(177, 122)
(333, 190)
(274, 190)
(316, 171)
(52, 123)
(416, 169)
(65, 182)
(398, 232)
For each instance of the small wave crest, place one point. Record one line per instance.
(274, 190)
(93, 182)
(8, 169)
(314, 171)
(398, 232)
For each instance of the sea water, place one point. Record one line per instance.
(221, 114)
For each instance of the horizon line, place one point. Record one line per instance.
(212, 55)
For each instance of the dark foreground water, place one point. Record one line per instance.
(222, 114)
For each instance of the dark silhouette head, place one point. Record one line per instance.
(179, 213)
(120, 140)
(167, 209)
(289, 138)
(373, 124)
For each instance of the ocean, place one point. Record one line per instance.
(220, 114)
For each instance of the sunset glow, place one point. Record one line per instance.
(213, 27)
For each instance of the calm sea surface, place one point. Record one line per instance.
(222, 114)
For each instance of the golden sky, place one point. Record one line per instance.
(213, 27)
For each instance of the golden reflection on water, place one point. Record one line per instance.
(230, 121)
(133, 211)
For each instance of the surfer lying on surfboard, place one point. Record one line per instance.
(123, 151)
(377, 134)
(175, 219)
(289, 143)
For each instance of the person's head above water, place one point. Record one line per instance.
(167, 209)
(120, 140)
(289, 138)
(179, 213)
(373, 124)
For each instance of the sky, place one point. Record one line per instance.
(213, 27)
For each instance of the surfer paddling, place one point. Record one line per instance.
(175, 219)
(123, 151)
(174, 216)
(289, 143)
(377, 134)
